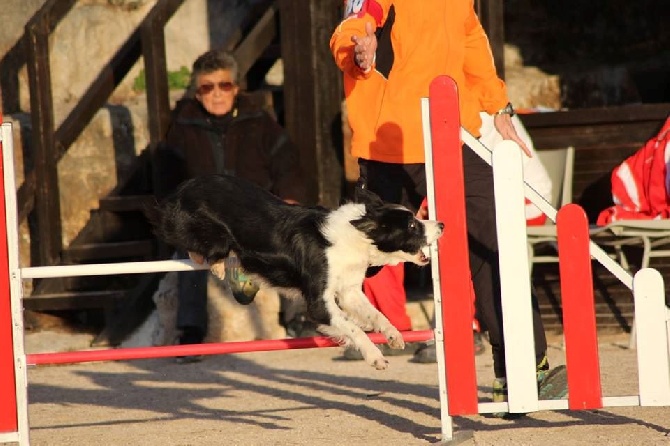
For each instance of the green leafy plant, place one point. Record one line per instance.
(177, 80)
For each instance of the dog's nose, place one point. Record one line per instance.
(440, 225)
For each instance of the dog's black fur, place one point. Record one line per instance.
(318, 254)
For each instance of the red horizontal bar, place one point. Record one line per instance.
(120, 354)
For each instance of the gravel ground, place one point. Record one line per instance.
(304, 397)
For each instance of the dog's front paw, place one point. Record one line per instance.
(374, 357)
(380, 364)
(394, 339)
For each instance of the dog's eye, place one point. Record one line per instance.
(412, 224)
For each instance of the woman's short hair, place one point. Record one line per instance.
(211, 61)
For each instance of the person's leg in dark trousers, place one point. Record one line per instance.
(192, 308)
(483, 246)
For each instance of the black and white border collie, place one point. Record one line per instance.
(318, 254)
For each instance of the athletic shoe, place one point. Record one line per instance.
(551, 384)
(426, 353)
(353, 354)
(500, 395)
(300, 327)
(190, 335)
(554, 384)
(244, 290)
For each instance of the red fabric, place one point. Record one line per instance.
(639, 184)
(354, 8)
(533, 219)
(386, 292)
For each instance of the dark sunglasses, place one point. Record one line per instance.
(208, 88)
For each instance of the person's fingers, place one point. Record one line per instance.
(422, 213)
(369, 30)
(523, 147)
(365, 47)
(504, 125)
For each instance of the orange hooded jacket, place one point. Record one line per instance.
(427, 38)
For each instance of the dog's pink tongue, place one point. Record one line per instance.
(426, 252)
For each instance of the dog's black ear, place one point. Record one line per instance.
(365, 196)
(366, 225)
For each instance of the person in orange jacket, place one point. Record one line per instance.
(389, 52)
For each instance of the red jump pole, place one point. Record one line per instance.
(8, 412)
(579, 316)
(205, 349)
(454, 265)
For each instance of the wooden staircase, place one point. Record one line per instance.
(117, 230)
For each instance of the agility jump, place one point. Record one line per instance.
(453, 330)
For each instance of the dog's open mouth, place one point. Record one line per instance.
(424, 255)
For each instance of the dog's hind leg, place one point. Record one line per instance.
(359, 309)
(196, 258)
(218, 268)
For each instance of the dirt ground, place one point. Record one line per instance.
(305, 397)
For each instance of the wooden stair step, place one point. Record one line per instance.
(73, 300)
(97, 251)
(125, 203)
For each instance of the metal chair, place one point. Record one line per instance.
(542, 246)
(653, 236)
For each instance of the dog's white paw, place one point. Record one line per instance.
(381, 364)
(375, 358)
(394, 338)
(219, 269)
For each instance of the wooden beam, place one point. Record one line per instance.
(256, 42)
(313, 93)
(597, 115)
(47, 199)
(155, 73)
(595, 127)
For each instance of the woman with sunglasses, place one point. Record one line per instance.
(217, 129)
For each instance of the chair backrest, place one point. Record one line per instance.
(559, 164)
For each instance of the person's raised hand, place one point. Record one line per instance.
(422, 213)
(504, 125)
(365, 48)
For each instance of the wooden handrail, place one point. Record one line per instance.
(48, 16)
(40, 188)
(256, 41)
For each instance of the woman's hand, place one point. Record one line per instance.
(365, 48)
(504, 125)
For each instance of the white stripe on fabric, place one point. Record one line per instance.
(626, 176)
